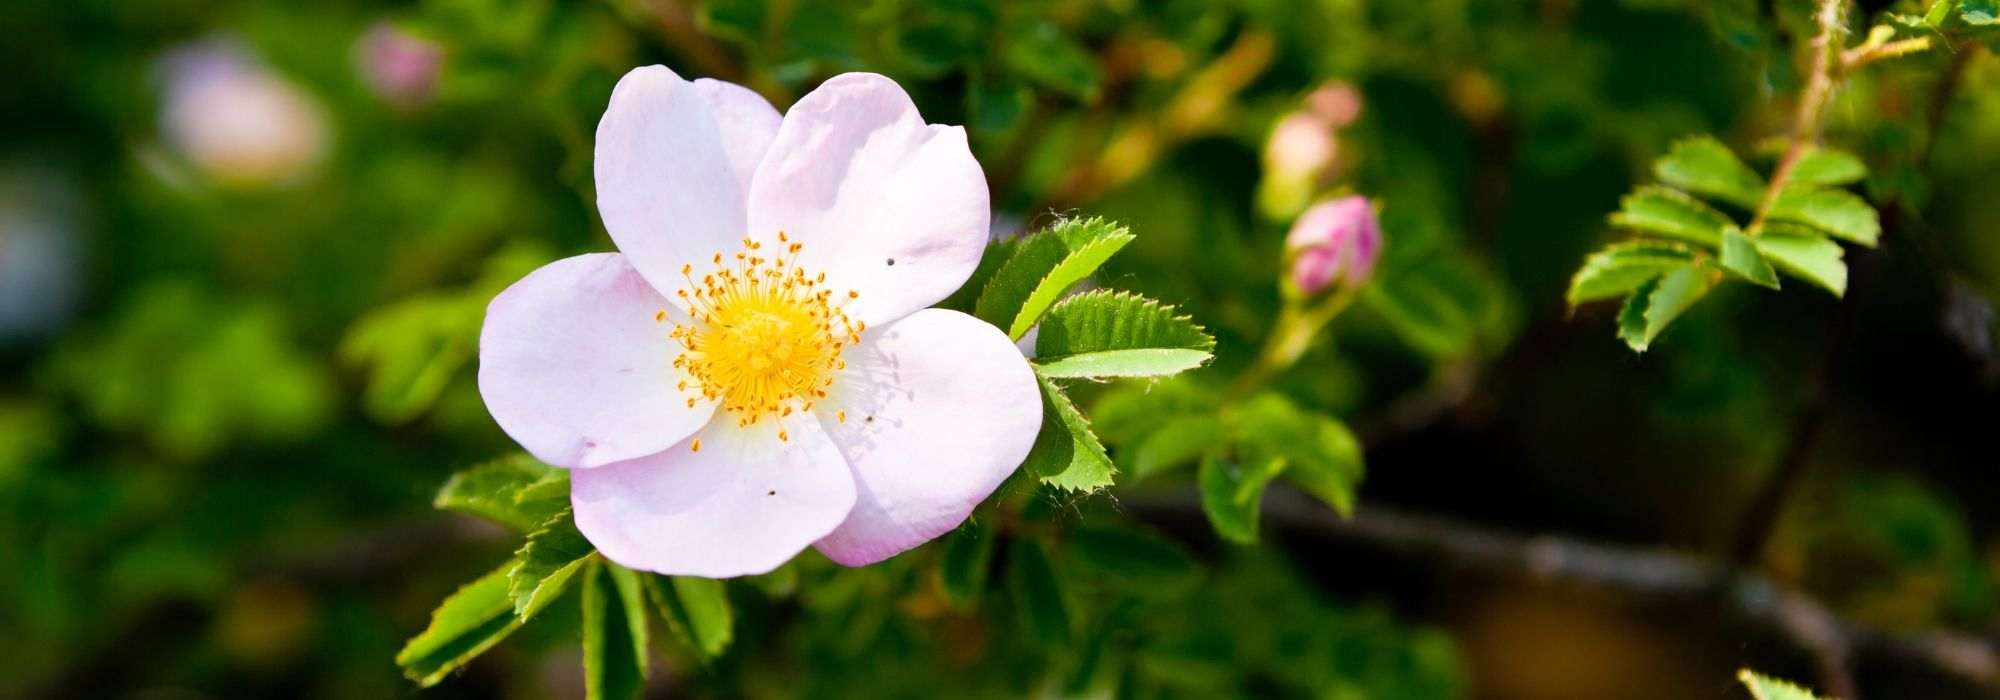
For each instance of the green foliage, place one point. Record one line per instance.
(551, 558)
(1232, 493)
(1038, 594)
(696, 609)
(1764, 687)
(1103, 333)
(1066, 454)
(468, 623)
(966, 562)
(515, 491)
(1790, 233)
(614, 638)
(1132, 560)
(1042, 267)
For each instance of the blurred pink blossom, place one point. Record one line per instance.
(399, 66)
(235, 118)
(1334, 242)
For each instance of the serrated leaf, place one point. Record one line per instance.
(967, 297)
(1805, 254)
(1840, 213)
(1232, 494)
(518, 491)
(1659, 303)
(1670, 213)
(546, 564)
(1180, 440)
(1043, 266)
(1320, 454)
(696, 609)
(1765, 687)
(1066, 453)
(465, 625)
(1105, 333)
(1826, 167)
(1622, 267)
(1702, 165)
(967, 558)
(1740, 256)
(1038, 594)
(611, 669)
(1131, 560)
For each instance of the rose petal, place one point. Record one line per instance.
(939, 409)
(667, 185)
(743, 504)
(747, 122)
(575, 364)
(884, 203)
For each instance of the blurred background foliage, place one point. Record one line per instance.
(245, 249)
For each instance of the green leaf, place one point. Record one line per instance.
(1621, 267)
(1045, 55)
(515, 491)
(1105, 333)
(1132, 560)
(1840, 213)
(1805, 254)
(1066, 453)
(1038, 593)
(1044, 266)
(1826, 167)
(1659, 303)
(1767, 688)
(741, 21)
(1979, 13)
(1740, 256)
(1443, 305)
(632, 602)
(1702, 165)
(1320, 454)
(696, 609)
(967, 559)
(1232, 494)
(1670, 213)
(611, 670)
(1179, 440)
(547, 564)
(997, 254)
(468, 623)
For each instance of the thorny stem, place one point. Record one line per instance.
(1805, 122)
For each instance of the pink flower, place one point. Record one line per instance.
(756, 370)
(1335, 241)
(236, 119)
(399, 66)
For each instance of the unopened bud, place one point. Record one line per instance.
(1334, 243)
(399, 66)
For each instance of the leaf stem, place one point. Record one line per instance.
(1298, 324)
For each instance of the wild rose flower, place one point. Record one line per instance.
(1334, 242)
(755, 371)
(236, 119)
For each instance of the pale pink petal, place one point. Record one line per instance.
(932, 413)
(575, 364)
(666, 184)
(743, 504)
(747, 122)
(884, 203)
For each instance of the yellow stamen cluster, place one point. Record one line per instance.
(766, 336)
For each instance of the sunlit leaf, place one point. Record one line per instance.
(1827, 167)
(1232, 494)
(1659, 303)
(1066, 453)
(516, 491)
(696, 609)
(1044, 266)
(1839, 213)
(1621, 267)
(1703, 165)
(1105, 333)
(1665, 212)
(1740, 256)
(1765, 687)
(1805, 254)
(468, 623)
(550, 560)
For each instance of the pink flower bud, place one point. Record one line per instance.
(399, 66)
(1334, 242)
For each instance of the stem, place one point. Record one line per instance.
(1805, 122)
(1290, 337)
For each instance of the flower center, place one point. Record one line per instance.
(766, 336)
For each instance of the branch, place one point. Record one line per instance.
(1660, 577)
(1805, 122)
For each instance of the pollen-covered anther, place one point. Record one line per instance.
(761, 340)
